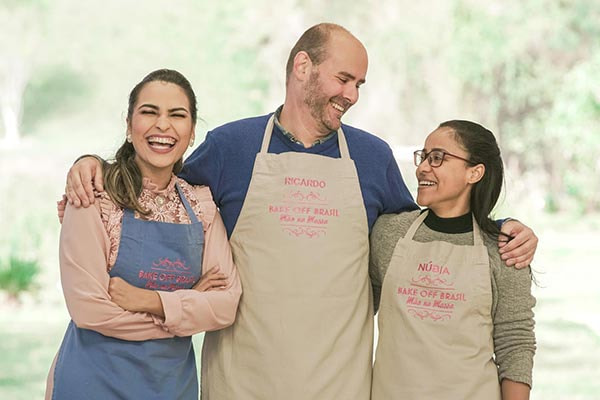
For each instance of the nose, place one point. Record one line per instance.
(424, 166)
(351, 93)
(163, 123)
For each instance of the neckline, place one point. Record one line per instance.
(460, 224)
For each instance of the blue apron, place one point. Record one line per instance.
(152, 255)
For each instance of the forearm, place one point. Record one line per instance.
(84, 246)
(147, 301)
(514, 390)
(190, 311)
(514, 337)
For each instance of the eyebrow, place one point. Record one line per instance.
(352, 77)
(170, 110)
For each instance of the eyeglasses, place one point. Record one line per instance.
(435, 157)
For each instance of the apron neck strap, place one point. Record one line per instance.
(415, 225)
(477, 240)
(186, 204)
(344, 153)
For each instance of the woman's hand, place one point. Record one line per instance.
(212, 280)
(134, 299)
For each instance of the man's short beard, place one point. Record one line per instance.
(315, 101)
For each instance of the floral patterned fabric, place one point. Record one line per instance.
(164, 206)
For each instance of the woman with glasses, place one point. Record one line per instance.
(454, 321)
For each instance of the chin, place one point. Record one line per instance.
(423, 202)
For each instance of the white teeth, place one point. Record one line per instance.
(426, 183)
(337, 107)
(161, 140)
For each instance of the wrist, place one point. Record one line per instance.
(151, 303)
(97, 157)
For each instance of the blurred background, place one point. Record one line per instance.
(527, 69)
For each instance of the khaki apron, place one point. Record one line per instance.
(304, 324)
(435, 325)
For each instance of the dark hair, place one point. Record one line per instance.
(314, 42)
(122, 177)
(482, 147)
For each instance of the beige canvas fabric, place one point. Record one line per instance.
(304, 324)
(435, 327)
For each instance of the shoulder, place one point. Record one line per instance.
(496, 263)
(365, 141)
(96, 216)
(241, 128)
(393, 226)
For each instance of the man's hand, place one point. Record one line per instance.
(83, 177)
(211, 280)
(520, 250)
(60, 208)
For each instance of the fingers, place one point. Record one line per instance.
(213, 279)
(87, 195)
(61, 205)
(80, 189)
(72, 196)
(522, 261)
(98, 179)
(520, 250)
(218, 284)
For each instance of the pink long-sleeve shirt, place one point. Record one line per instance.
(89, 244)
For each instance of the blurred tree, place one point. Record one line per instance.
(527, 69)
(20, 37)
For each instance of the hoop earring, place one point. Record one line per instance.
(128, 137)
(192, 142)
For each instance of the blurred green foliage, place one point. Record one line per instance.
(18, 275)
(532, 68)
(526, 69)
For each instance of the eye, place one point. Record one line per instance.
(178, 115)
(148, 111)
(342, 79)
(436, 157)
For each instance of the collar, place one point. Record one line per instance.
(461, 224)
(291, 136)
(152, 188)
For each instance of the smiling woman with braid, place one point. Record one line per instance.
(148, 266)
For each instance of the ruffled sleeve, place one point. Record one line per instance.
(112, 217)
(202, 202)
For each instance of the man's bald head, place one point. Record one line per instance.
(314, 42)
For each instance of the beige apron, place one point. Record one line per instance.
(304, 324)
(435, 325)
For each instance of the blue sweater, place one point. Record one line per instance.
(224, 162)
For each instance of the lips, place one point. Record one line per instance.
(161, 144)
(340, 105)
(426, 183)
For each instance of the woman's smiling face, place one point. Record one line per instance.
(161, 127)
(446, 189)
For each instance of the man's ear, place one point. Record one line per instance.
(302, 66)
(476, 173)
